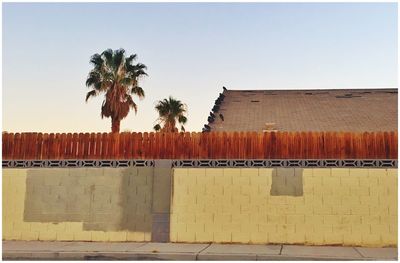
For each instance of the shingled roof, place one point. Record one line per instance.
(305, 110)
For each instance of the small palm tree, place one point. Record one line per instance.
(114, 74)
(170, 112)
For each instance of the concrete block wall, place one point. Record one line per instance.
(324, 206)
(321, 206)
(82, 204)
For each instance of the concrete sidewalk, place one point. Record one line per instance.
(40, 250)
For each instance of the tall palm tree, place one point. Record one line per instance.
(170, 112)
(115, 75)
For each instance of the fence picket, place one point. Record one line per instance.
(214, 145)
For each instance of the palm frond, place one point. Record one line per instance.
(138, 91)
(182, 119)
(91, 93)
(131, 103)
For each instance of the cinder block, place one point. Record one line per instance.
(331, 199)
(56, 227)
(315, 182)
(351, 219)
(47, 235)
(360, 229)
(321, 172)
(29, 235)
(65, 236)
(392, 172)
(360, 210)
(240, 199)
(285, 228)
(369, 200)
(378, 190)
(21, 226)
(359, 172)
(204, 218)
(340, 210)
(83, 236)
(323, 229)
(379, 229)
(216, 190)
(195, 227)
(222, 218)
(267, 228)
(198, 172)
(222, 180)
(258, 238)
(368, 239)
(314, 238)
(231, 227)
(205, 180)
(222, 237)
(180, 172)
(322, 190)
(285, 209)
(358, 191)
(278, 200)
(305, 209)
(382, 210)
(277, 219)
(371, 219)
(352, 239)
(333, 239)
(368, 181)
(214, 172)
(296, 238)
(339, 172)
(341, 229)
(277, 238)
(117, 236)
(135, 236)
(241, 237)
(186, 237)
(241, 180)
(260, 180)
(213, 227)
(350, 201)
(332, 220)
(243, 219)
(389, 239)
(100, 236)
(249, 172)
(350, 181)
(204, 237)
(377, 172)
(15, 235)
(330, 181)
(322, 209)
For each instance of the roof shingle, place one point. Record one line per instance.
(308, 110)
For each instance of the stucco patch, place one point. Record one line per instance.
(287, 181)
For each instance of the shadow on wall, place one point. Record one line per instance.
(104, 199)
(287, 181)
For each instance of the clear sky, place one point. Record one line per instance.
(191, 51)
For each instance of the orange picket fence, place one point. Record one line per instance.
(212, 145)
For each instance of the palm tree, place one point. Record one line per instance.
(115, 75)
(170, 112)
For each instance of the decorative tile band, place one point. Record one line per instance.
(252, 163)
(76, 163)
(286, 163)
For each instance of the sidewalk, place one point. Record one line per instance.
(40, 250)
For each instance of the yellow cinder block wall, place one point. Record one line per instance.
(327, 206)
(93, 204)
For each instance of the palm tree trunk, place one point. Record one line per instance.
(115, 123)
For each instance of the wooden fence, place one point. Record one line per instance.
(213, 145)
